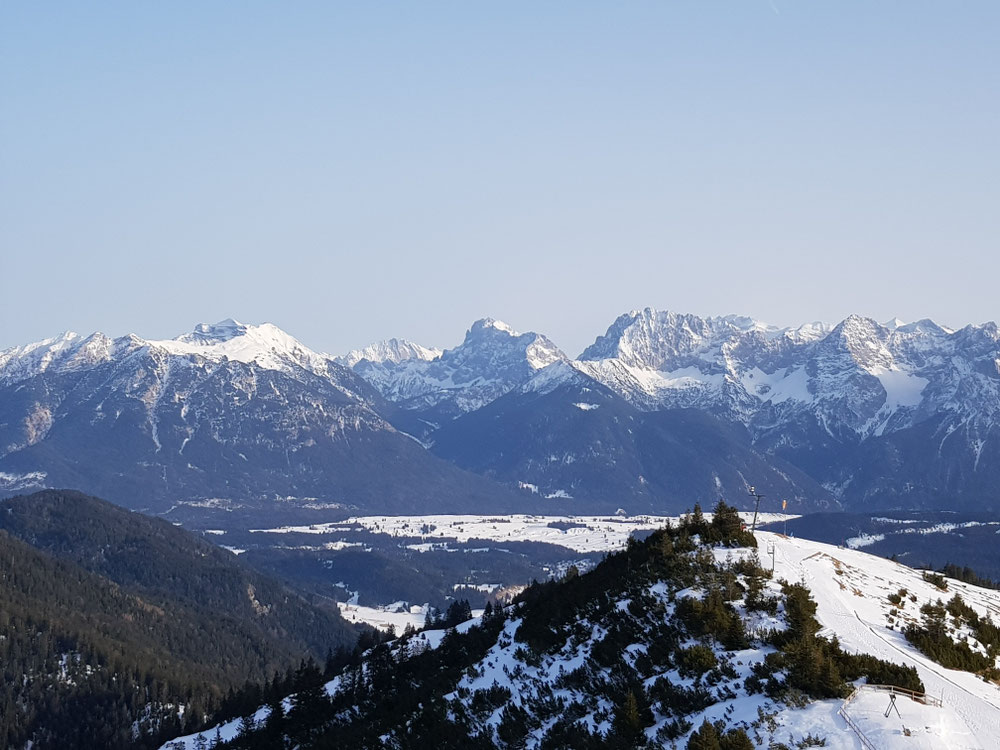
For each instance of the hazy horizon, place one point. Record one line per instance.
(357, 173)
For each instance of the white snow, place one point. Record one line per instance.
(9, 481)
(265, 345)
(384, 617)
(778, 386)
(864, 540)
(340, 544)
(851, 589)
(901, 388)
(393, 350)
(587, 533)
(917, 725)
(586, 407)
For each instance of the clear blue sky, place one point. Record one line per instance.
(357, 171)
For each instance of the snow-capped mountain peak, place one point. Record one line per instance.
(265, 345)
(534, 348)
(35, 357)
(487, 323)
(224, 330)
(492, 359)
(66, 351)
(392, 350)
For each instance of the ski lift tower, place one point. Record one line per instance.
(754, 493)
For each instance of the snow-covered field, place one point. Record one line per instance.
(911, 723)
(398, 615)
(579, 533)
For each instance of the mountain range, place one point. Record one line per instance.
(664, 409)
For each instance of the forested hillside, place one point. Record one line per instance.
(682, 638)
(109, 619)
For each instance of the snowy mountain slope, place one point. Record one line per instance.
(620, 658)
(852, 589)
(392, 350)
(266, 346)
(857, 375)
(914, 403)
(243, 414)
(583, 441)
(880, 415)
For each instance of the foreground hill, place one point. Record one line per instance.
(109, 618)
(683, 640)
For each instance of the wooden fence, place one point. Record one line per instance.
(928, 700)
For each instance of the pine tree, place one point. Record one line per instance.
(627, 721)
(706, 737)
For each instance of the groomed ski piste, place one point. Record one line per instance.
(851, 589)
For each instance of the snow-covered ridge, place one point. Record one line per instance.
(391, 350)
(492, 360)
(265, 345)
(851, 589)
(67, 351)
(859, 375)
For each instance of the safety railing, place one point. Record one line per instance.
(867, 743)
(928, 700)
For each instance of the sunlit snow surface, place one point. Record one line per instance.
(397, 616)
(578, 533)
(851, 589)
(865, 540)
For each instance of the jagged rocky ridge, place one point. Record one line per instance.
(876, 415)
